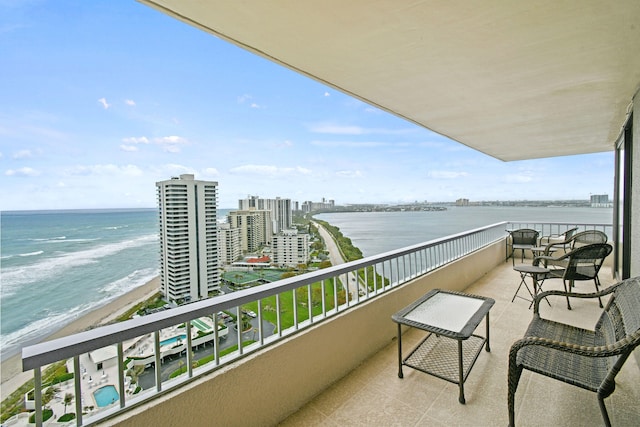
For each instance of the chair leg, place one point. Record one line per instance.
(564, 283)
(603, 410)
(597, 282)
(514, 377)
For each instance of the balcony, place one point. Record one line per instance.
(339, 366)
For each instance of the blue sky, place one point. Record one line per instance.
(100, 99)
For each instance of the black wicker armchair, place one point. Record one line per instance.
(581, 264)
(584, 358)
(523, 239)
(582, 238)
(562, 239)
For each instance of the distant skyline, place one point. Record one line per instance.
(102, 99)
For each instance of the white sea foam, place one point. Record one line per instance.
(32, 253)
(48, 239)
(55, 321)
(14, 278)
(116, 227)
(130, 282)
(42, 327)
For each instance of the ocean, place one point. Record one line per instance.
(59, 265)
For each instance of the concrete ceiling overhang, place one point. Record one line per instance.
(512, 79)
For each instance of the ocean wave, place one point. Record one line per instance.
(48, 239)
(34, 331)
(39, 329)
(32, 253)
(14, 278)
(75, 240)
(130, 282)
(116, 227)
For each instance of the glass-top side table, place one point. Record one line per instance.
(448, 316)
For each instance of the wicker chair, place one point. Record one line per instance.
(584, 358)
(582, 263)
(583, 238)
(559, 239)
(523, 238)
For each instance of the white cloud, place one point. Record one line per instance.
(106, 169)
(171, 149)
(327, 94)
(103, 102)
(173, 169)
(170, 140)
(136, 140)
(22, 154)
(25, 171)
(351, 144)
(269, 170)
(349, 174)
(283, 144)
(519, 178)
(243, 98)
(129, 148)
(210, 172)
(335, 129)
(130, 102)
(446, 174)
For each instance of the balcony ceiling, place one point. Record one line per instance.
(512, 79)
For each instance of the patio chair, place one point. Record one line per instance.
(583, 238)
(582, 263)
(580, 357)
(523, 239)
(559, 238)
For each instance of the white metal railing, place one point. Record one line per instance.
(555, 228)
(281, 308)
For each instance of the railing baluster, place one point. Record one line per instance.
(389, 270)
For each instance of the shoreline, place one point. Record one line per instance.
(12, 376)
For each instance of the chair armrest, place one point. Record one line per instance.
(613, 349)
(540, 296)
(536, 260)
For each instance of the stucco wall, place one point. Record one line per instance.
(265, 387)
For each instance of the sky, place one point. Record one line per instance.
(101, 99)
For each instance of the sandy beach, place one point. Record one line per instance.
(12, 375)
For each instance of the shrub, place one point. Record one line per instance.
(67, 417)
(46, 414)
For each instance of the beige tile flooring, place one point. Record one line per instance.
(373, 395)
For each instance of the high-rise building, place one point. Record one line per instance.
(309, 206)
(188, 238)
(600, 201)
(290, 248)
(281, 213)
(229, 246)
(256, 228)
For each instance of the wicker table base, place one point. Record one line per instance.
(450, 349)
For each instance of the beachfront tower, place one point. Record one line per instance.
(188, 238)
(281, 213)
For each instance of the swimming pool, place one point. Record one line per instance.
(106, 395)
(172, 340)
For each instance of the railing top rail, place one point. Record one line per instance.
(62, 348)
(51, 351)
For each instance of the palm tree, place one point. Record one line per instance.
(68, 398)
(49, 394)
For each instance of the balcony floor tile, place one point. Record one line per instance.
(374, 395)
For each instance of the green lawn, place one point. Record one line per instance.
(302, 300)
